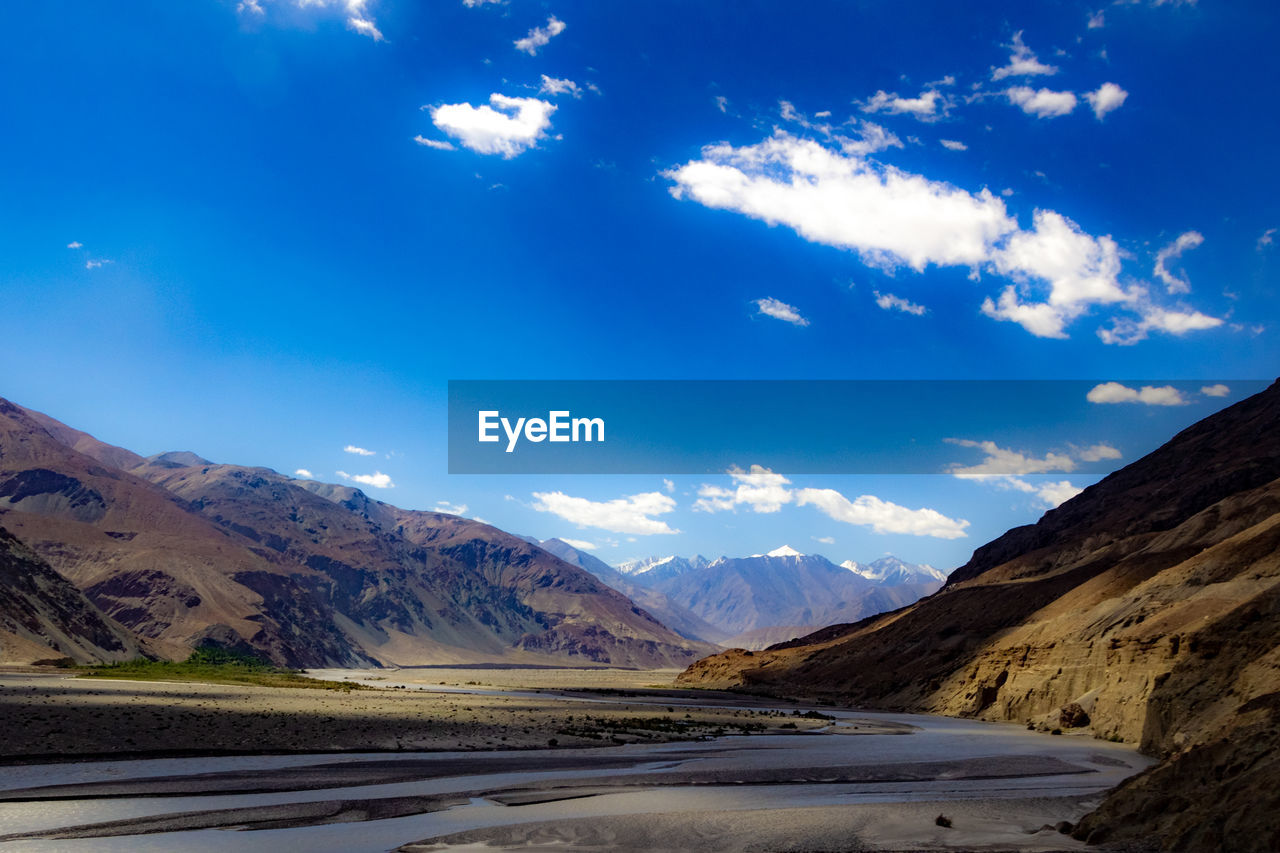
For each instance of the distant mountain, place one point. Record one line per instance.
(763, 599)
(1146, 609)
(891, 571)
(651, 570)
(184, 552)
(679, 619)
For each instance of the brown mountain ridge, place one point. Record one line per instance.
(184, 552)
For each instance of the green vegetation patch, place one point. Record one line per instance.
(218, 666)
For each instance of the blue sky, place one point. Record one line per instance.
(268, 231)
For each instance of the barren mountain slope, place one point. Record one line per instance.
(1144, 609)
(182, 551)
(43, 616)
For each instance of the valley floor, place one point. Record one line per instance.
(472, 768)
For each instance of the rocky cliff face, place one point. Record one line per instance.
(182, 551)
(1145, 609)
(44, 617)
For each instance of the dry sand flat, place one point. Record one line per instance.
(51, 716)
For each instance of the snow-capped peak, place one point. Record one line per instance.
(784, 551)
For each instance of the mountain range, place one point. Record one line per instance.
(752, 602)
(170, 552)
(1145, 609)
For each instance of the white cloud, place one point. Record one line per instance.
(1052, 494)
(886, 215)
(93, 264)
(757, 488)
(438, 144)
(358, 451)
(631, 514)
(304, 474)
(1218, 390)
(506, 126)
(553, 86)
(1125, 331)
(1041, 103)
(891, 218)
(929, 105)
(365, 27)
(1022, 62)
(1106, 98)
(882, 516)
(250, 7)
(540, 36)
(780, 310)
(889, 302)
(669, 486)
(475, 4)
(825, 540)
(1114, 392)
(559, 86)
(450, 508)
(764, 491)
(1267, 238)
(580, 544)
(722, 103)
(1081, 270)
(1002, 462)
(377, 479)
(953, 145)
(1097, 20)
(1098, 452)
(76, 244)
(1185, 242)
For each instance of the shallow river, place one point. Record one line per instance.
(940, 760)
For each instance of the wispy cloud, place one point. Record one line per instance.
(1002, 462)
(882, 516)
(559, 86)
(1022, 62)
(929, 105)
(377, 479)
(304, 474)
(540, 37)
(75, 244)
(1267, 238)
(438, 144)
(95, 263)
(1185, 243)
(580, 544)
(632, 514)
(953, 145)
(1148, 395)
(506, 126)
(359, 451)
(758, 489)
(780, 310)
(889, 302)
(450, 508)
